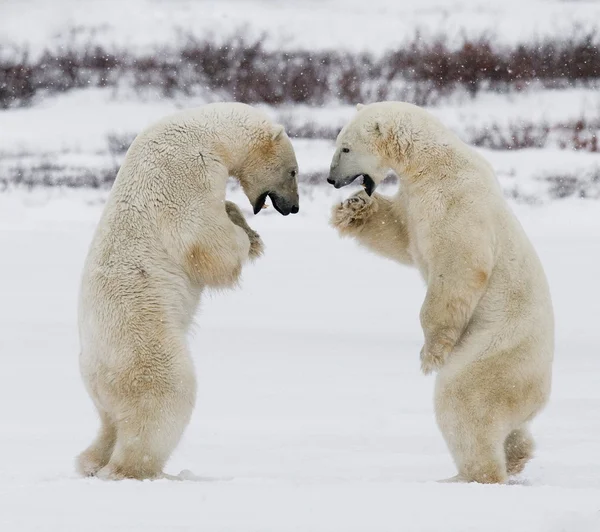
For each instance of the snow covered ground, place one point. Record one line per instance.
(82, 119)
(335, 24)
(312, 414)
(68, 134)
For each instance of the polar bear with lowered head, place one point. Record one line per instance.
(167, 234)
(487, 317)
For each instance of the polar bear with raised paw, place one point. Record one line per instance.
(487, 317)
(166, 235)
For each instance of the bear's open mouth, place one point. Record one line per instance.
(260, 202)
(282, 206)
(368, 184)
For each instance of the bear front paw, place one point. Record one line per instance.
(257, 248)
(432, 358)
(353, 211)
(235, 214)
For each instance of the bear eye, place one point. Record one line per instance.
(346, 150)
(293, 173)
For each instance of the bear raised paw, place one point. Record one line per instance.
(487, 318)
(257, 247)
(167, 234)
(354, 211)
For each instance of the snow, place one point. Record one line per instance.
(65, 121)
(71, 131)
(289, 24)
(312, 413)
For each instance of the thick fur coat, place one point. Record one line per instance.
(487, 317)
(167, 234)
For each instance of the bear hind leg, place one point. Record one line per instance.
(477, 446)
(98, 454)
(147, 436)
(486, 466)
(480, 461)
(518, 448)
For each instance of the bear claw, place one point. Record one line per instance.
(257, 247)
(431, 362)
(353, 211)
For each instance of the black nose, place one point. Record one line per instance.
(330, 181)
(295, 209)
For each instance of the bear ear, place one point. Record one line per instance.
(359, 106)
(278, 130)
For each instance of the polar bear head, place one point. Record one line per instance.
(271, 170)
(356, 152)
(380, 137)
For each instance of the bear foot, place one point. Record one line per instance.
(90, 462)
(518, 447)
(452, 480)
(120, 472)
(483, 479)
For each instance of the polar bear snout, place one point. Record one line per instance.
(283, 205)
(339, 182)
(368, 183)
(348, 168)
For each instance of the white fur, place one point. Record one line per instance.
(165, 235)
(487, 317)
